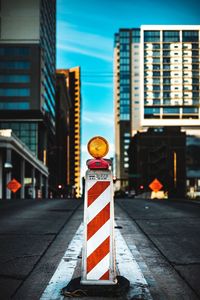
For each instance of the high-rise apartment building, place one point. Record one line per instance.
(27, 71)
(73, 84)
(156, 83)
(126, 96)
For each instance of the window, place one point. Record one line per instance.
(151, 36)
(156, 95)
(166, 67)
(136, 36)
(195, 67)
(171, 110)
(156, 46)
(14, 105)
(166, 74)
(166, 53)
(15, 92)
(190, 36)
(156, 53)
(156, 87)
(151, 110)
(14, 65)
(126, 134)
(166, 80)
(14, 78)
(166, 46)
(167, 87)
(166, 60)
(14, 51)
(190, 110)
(156, 67)
(156, 74)
(156, 60)
(124, 33)
(26, 131)
(124, 40)
(166, 95)
(171, 36)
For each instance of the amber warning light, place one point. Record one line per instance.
(98, 147)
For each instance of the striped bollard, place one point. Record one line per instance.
(98, 262)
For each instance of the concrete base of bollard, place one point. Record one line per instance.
(76, 289)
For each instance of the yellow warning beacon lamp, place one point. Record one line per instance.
(98, 147)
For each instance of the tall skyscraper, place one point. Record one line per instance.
(27, 72)
(126, 96)
(156, 83)
(73, 84)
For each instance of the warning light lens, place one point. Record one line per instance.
(98, 147)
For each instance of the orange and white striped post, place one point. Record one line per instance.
(98, 262)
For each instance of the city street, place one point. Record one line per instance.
(163, 237)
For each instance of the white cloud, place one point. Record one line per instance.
(98, 118)
(103, 85)
(73, 40)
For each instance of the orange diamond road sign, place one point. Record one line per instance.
(14, 185)
(155, 185)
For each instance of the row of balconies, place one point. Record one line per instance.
(192, 53)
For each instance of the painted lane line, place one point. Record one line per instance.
(65, 270)
(129, 268)
(126, 264)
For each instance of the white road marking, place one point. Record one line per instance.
(126, 264)
(65, 270)
(129, 268)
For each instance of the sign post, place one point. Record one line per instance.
(156, 186)
(14, 185)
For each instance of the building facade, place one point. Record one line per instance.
(126, 97)
(158, 153)
(27, 71)
(73, 84)
(59, 179)
(156, 83)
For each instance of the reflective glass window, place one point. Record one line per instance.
(9, 65)
(14, 78)
(14, 51)
(151, 110)
(190, 110)
(151, 36)
(171, 110)
(15, 92)
(171, 36)
(14, 105)
(190, 36)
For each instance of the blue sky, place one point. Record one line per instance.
(85, 35)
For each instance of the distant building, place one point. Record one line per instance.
(59, 180)
(158, 154)
(73, 83)
(156, 84)
(27, 72)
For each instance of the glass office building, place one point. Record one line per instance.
(27, 71)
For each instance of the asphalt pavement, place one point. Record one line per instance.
(163, 237)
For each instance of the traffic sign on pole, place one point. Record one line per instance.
(155, 185)
(14, 185)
